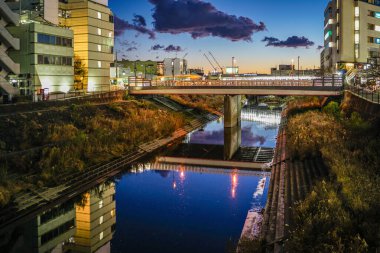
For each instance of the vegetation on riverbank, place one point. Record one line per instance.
(202, 102)
(341, 213)
(52, 144)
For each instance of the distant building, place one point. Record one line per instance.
(175, 67)
(351, 34)
(196, 71)
(232, 70)
(288, 70)
(7, 43)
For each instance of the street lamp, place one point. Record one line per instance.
(173, 68)
(298, 68)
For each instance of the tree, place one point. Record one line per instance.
(80, 72)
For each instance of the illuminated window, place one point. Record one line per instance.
(357, 11)
(99, 15)
(112, 212)
(99, 48)
(110, 34)
(100, 202)
(357, 38)
(99, 31)
(99, 66)
(100, 236)
(100, 220)
(357, 25)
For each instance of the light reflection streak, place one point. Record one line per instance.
(234, 184)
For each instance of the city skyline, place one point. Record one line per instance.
(259, 39)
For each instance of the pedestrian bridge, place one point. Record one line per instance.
(285, 86)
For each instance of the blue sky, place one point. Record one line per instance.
(282, 19)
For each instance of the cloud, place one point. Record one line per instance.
(139, 20)
(122, 25)
(168, 49)
(320, 47)
(130, 49)
(294, 42)
(172, 48)
(157, 47)
(201, 19)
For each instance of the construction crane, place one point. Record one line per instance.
(221, 69)
(210, 62)
(185, 56)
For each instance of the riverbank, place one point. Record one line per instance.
(324, 189)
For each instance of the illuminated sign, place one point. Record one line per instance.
(377, 14)
(377, 40)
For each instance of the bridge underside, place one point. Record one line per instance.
(238, 90)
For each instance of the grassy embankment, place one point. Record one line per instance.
(213, 104)
(341, 214)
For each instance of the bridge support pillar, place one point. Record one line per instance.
(232, 125)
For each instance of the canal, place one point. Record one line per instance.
(158, 207)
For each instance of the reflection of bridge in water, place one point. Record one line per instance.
(255, 158)
(200, 169)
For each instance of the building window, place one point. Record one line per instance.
(54, 60)
(110, 34)
(100, 202)
(111, 20)
(54, 233)
(357, 11)
(54, 40)
(99, 31)
(99, 48)
(100, 220)
(100, 236)
(99, 15)
(113, 212)
(99, 64)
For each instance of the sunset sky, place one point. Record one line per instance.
(260, 33)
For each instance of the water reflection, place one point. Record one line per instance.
(234, 184)
(85, 224)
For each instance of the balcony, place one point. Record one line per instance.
(8, 14)
(8, 64)
(8, 39)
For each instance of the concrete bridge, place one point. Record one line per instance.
(233, 88)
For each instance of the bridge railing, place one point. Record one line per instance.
(267, 82)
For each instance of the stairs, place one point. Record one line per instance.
(6, 87)
(350, 75)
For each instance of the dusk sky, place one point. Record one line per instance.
(260, 33)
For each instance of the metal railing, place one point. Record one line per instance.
(372, 96)
(260, 82)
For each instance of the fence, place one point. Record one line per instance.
(371, 96)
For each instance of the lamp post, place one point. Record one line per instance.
(173, 68)
(298, 68)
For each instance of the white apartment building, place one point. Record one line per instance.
(351, 34)
(7, 43)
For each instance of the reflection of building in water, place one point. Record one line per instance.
(45, 232)
(95, 221)
(264, 116)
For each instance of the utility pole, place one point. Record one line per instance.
(298, 68)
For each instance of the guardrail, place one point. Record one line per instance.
(372, 96)
(317, 82)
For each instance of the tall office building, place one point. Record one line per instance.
(351, 34)
(92, 23)
(7, 42)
